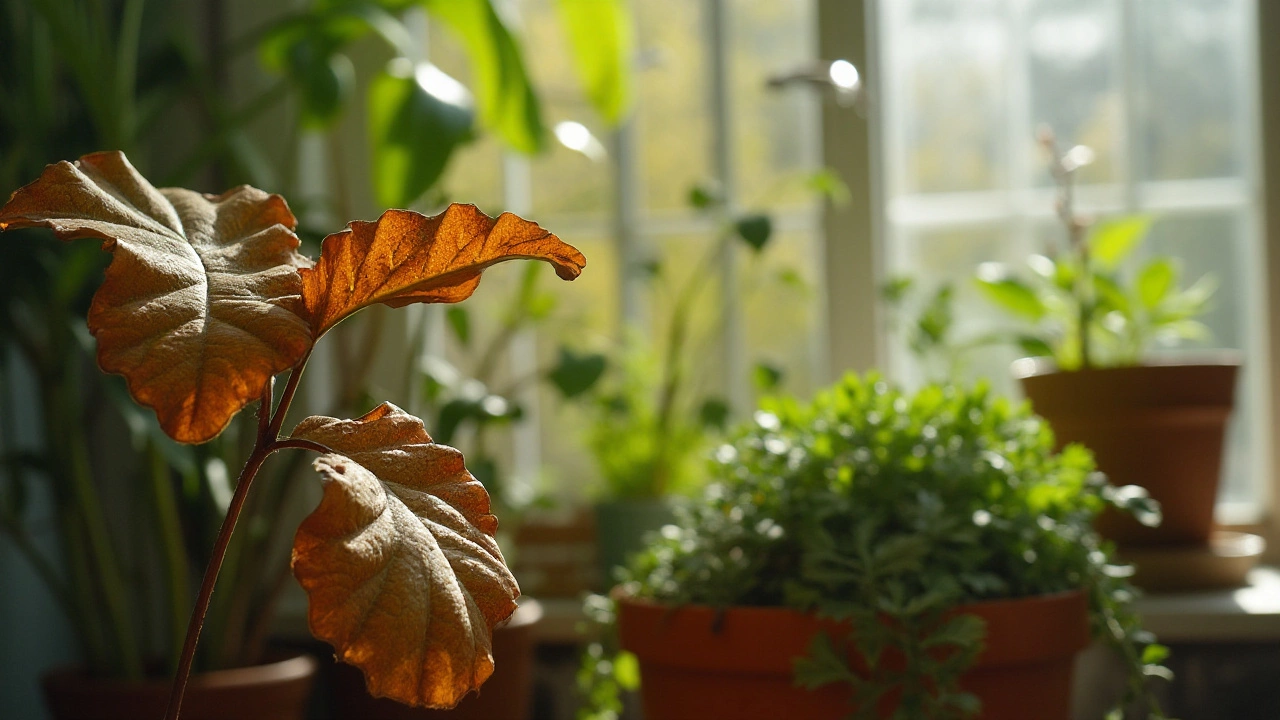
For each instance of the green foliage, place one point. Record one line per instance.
(414, 127)
(603, 44)
(1080, 304)
(886, 510)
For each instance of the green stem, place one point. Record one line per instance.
(169, 528)
(672, 368)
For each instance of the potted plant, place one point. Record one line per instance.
(205, 302)
(1152, 422)
(890, 554)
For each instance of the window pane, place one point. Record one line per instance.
(949, 256)
(564, 181)
(778, 301)
(945, 87)
(1193, 88)
(1075, 83)
(672, 118)
(775, 138)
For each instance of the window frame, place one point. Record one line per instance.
(856, 236)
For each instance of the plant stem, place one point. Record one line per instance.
(263, 447)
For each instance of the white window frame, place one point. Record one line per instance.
(857, 236)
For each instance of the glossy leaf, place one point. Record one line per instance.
(406, 257)
(201, 303)
(601, 37)
(418, 117)
(1114, 240)
(508, 104)
(399, 562)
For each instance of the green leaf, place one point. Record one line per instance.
(602, 40)
(576, 373)
(1114, 240)
(508, 104)
(821, 666)
(626, 670)
(1034, 346)
(1013, 295)
(325, 82)
(1110, 296)
(961, 630)
(1156, 280)
(1154, 654)
(828, 184)
(754, 230)
(766, 377)
(703, 196)
(460, 322)
(418, 116)
(714, 413)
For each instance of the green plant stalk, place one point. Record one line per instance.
(672, 369)
(173, 550)
(64, 425)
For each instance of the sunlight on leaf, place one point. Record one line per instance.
(508, 104)
(1114, 240)
(201, 303)
(403, 574)
(601, 37)
(406, 257)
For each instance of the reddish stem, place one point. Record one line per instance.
(266, 443)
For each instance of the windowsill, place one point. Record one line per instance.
(1246, 614)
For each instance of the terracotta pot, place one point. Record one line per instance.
(743, 669)
(506, 695)
(274, 691)
(620, 529)
(1159, 426)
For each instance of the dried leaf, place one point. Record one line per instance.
(404, 577)
(201, 304)
(406, 257)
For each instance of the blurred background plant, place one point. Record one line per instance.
(1080, 306)
(112, 516)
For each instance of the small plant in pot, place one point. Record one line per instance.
(886, 555)
(206, 300)
(1152, 422)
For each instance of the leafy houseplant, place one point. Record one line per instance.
(207, 300)
(924, 555)
(1151, 422)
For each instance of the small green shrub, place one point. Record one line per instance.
(871, 504)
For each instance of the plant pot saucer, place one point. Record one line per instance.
(1221, 563)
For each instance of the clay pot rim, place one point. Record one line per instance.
(620, 594)
(292, 668)
(1029, 367)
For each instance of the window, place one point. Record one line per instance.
(703, 112)
(1164, 92)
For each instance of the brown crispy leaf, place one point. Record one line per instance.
(406, 257)
(404, 577)
(201, 304)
